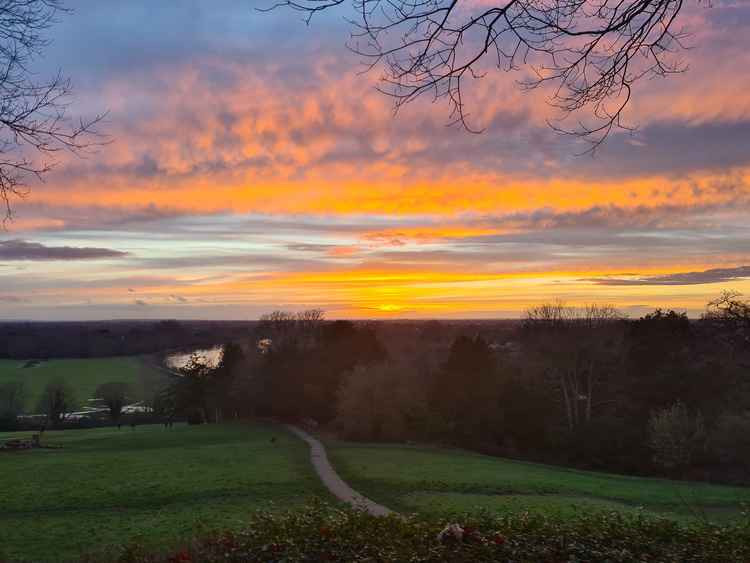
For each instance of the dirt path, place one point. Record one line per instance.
(332, 481)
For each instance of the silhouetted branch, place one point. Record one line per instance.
(33, 123)
(590, 51)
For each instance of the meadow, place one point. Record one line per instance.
(150, 485)
(158, 488)
(439, 481)
(84, 376)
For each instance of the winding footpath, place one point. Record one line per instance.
(335, 484)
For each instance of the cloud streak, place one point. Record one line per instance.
(248, 173)
(18, 249)
(714, 275)
(12, 299)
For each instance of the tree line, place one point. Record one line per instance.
(57, 401)
(585, 387)
(22, 340)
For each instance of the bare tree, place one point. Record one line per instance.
(590, 51)
(57, 400)
(12, 399)
(730, 310)
(576, 350)
(114, 395)
(310, 317)
(33, 122)
(729, 318)
(279, 327)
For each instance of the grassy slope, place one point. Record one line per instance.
(433, 480)
(84, 375)
(153, 485)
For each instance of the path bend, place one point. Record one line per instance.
(335, 484)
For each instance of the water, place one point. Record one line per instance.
(210, 356)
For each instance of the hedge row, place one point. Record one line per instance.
(324, 533)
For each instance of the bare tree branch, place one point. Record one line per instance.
(590, 51)
(33, 121)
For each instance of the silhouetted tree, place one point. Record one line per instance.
(302, 327)
(729, 317)
(57, 400)
(12, 401)
(33, 124)
(658, 349)
(115, 396)
(729, 442)
(466, 391)
(342, 347)
(528, 411)
(577, 349)
(164, 402)
(282, 373)
(666, 361)
(382, 401)
(301, 373)
(224, 378)
(191, 390)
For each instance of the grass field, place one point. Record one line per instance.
(84, 375)
(412, 479)
(110, 487)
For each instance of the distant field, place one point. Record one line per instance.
(84, 375)
(110, 487)
(413, 479)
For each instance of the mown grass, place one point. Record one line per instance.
(150, 485)
(83, 375)
(432, 480)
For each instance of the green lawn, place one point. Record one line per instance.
(84, 375)
(152, 485)
(414, 479)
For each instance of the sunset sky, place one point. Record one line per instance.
(251, 167)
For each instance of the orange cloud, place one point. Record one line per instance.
(227, 137)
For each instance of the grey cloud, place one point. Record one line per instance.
(17, 249)
(522, 226)
(486, 258)
(309, 247)
(615, 217)
(25, 282)
(714, 275)
(141, 34)
(12, 299)
(146, 168)
(214, 43)
(257, 261)
(672, 147)
(94, 217)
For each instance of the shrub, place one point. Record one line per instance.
(322, 533)
(674, 436)
(382, 402)
(729, 441)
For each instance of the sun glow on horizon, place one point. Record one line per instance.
(236, 184)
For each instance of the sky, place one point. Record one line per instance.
(253, 167)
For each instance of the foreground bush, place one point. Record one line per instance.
(322, 533)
